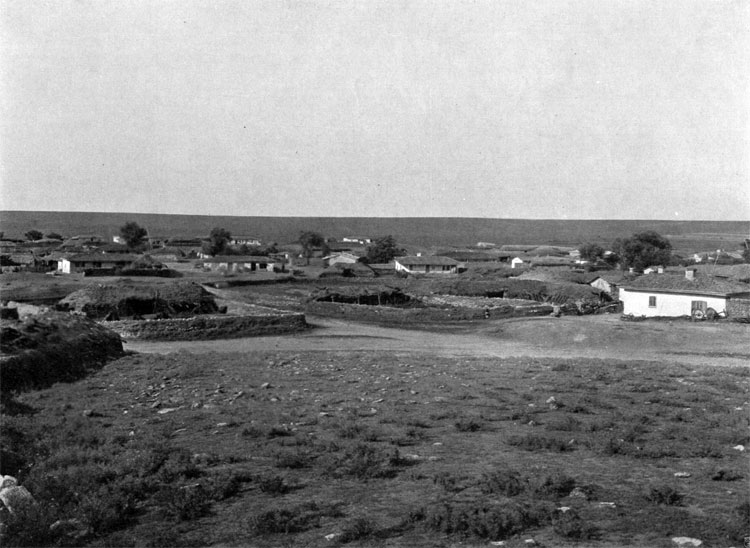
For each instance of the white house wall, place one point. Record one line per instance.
(667, 304)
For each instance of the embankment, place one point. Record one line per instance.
(207, 327)
(41, 349)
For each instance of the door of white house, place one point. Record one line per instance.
(698, 309)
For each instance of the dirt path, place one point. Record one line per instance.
(567, 337)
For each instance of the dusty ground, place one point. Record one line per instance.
(601, 336)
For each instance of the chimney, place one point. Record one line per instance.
(690, 274)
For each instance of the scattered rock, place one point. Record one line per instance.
(167, 410)
(578, 493)
(266, 385)
(682, 474)
(331, 536)
(14, 496)
(739, 447)
(607, 505)
(687, 541)
(564, 509)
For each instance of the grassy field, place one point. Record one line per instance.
(383, 449)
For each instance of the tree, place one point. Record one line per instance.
(134, 235)
(218, 241)
(746, 254)
(644, 249)
(591, 252)
(383, 250)
(34, 235)
(311, 241)
(54, 236)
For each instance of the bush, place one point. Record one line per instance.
(531, 442)
(366, 462)
(665, 494)
(360, 528)
(554, 487)
(293, 459)
(274, 485)
(185, 503)
(468, 425)
(488, 520)
(504, 482)
(571, 526)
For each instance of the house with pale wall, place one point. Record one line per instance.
(668, 295)
(431, 264)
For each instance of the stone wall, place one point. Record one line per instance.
(738, 308)
(208, 327)
(394, 315)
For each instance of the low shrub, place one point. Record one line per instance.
(726, 475)
(571, 526)
(274, 485)
(366, 462)
(184, 503)
(293, 459)
(359, 529)
(504, 482)
(532, 442)
(490, 520)
(555, 486)
(294, 519)
(469, 424)
(666, 495)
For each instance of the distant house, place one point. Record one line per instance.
(245, 240)
(345, 258)
(238, 263)
(674, 295)
(467, 257)
(516, 262)
(656, 269)
(357, 240)
(486, 244)
(167, 253)
(426, 265)
(184, 242)
(89, 261)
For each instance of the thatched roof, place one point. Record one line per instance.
(680, 284)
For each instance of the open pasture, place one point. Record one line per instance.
(282, 448)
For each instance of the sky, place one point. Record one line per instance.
(628, 109)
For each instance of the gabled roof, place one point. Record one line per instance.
(427, 260)
(239, 259)
(673, 283)
(104, 258)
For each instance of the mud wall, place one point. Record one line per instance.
(53, 347)
(738, 308)
(208, 327)
(428, 314)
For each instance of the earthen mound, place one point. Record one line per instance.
(128, 299)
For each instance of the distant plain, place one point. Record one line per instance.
(421, 231)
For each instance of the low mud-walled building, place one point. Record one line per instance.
(207, 327)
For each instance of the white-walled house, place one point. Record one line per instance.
(346, 258)
(515, 262)
(432, 264)
(668, 295)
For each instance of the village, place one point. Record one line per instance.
(700, 285)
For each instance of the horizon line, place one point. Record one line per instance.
(376, 216)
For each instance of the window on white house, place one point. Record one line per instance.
(652, 302)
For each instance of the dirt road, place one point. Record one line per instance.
(589, 336)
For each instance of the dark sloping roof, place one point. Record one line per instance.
(680, 284)
(239, 259)
(427, 260)
(104, 258)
